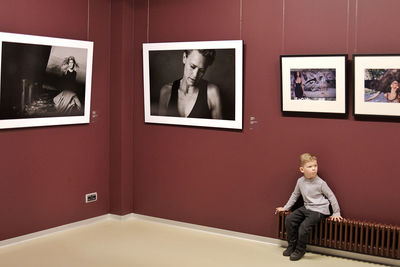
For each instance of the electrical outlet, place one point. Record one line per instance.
(91, 197)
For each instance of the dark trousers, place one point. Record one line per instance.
(298, 226)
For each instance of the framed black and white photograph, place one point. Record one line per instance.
(376, 85)
(44, 81)
(194, 83)
(315, 84)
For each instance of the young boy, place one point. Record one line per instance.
(317, 196)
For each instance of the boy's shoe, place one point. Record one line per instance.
(297, 255)
(289, 250)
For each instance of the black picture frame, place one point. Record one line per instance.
(374, 96)
(314, 84)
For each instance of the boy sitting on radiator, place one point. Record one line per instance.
(317, 196)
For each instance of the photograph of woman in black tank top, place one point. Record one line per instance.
(192, 96)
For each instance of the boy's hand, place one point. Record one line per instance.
(279, 209)
(336, 218)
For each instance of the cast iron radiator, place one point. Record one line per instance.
(352, 235)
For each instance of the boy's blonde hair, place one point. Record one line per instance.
(306, 157)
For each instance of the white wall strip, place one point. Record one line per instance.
(66, 227)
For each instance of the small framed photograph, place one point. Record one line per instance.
(313, 84)
(194, 83)
(44, 81)
(376, 85)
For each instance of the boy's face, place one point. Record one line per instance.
(310, 169)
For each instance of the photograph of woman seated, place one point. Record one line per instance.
(41, 81)
(382, 85)
(67, 102)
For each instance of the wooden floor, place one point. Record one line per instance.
(135, 242)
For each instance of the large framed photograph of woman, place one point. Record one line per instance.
(376, 85)
(313, 84)
(44, 81)
(194, 83)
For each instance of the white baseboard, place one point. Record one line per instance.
(35, 235)
(195, 227)
(268, 240)
(217, 231)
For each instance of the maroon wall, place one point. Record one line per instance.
(234, 180)
(227, 179)
(46, 171)
(121, 114)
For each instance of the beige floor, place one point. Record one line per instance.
(133, 242)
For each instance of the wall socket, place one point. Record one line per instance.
(91, 197)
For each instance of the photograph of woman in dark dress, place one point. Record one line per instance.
(67, 102)
(299, 86)
(313, 84)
